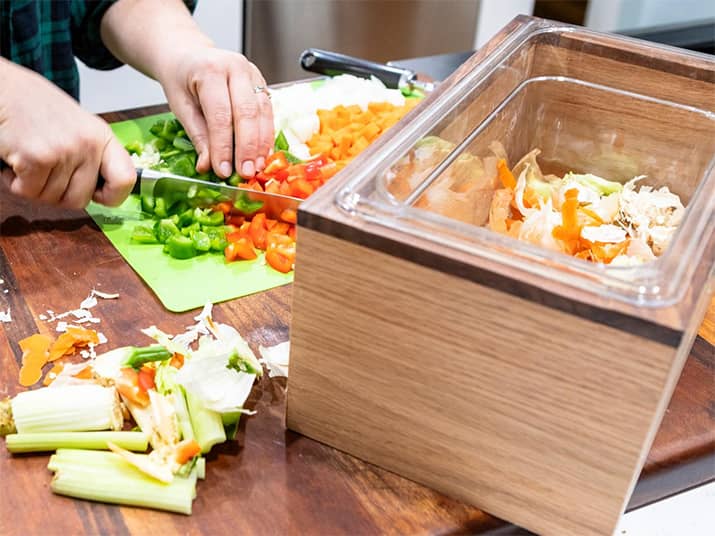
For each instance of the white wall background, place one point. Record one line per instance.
(104, 91)
(616, 15)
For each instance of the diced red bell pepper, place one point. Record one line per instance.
(275, 162)
(145, 378)
(301, 188)
(235, 219)
(293, 232)
(313, 171)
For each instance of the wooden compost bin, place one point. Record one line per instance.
(527, 383)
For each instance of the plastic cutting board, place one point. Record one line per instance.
(180, 285)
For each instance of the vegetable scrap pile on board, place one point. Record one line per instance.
(578, 214)
(319, 131)
(185, 394)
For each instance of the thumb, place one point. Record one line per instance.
(119, 175)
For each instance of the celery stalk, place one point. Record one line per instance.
(182, 414)
(207, 424)
(87, 458)
(70, 408)
(41, 442)
(112, 485)
(201, 468)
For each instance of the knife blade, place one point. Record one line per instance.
(153, 183)
(329, 63)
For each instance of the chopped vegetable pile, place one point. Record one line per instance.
(581, 215)
(183, 401)
(312, 145)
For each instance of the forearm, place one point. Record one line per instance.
(144, 33)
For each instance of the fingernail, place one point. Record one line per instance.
(248, 169)
(260, 163)
(225, 168)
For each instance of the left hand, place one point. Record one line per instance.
(213, 93)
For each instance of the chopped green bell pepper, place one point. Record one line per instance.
(202, 242)
(143, 234)
(165, 229)
(180, 247)
(208, 217)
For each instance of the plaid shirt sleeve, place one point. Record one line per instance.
(45, 35)
(87, 43)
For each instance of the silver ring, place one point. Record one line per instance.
(261, 89)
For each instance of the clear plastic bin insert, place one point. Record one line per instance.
(590, 103)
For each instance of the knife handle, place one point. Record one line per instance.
(332, 63)
(100, 179)
(136, 189)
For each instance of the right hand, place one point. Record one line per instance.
(54, 149)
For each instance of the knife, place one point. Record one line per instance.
(152, 183)
(331, 63)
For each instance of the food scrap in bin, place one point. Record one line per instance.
(578, 214)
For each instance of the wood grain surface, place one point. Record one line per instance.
(471, 390)
(270, 480)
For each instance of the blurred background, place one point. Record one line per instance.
(273, 33)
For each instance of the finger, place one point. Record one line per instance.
(57, 182)
(265, 122)
(30, 174)
(189, 113)
(245, 106)
(119, 175)
(216, 105)
(80, 187)
(267, 135)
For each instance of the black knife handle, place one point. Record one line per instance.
(332, 63)
(100, 179)
(136, 189)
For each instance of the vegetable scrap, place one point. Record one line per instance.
(185, 394)
(578, 214)
(38, 350)
(319, 131)
(276, 358)
(5, 316)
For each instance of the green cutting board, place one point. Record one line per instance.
(180, 285)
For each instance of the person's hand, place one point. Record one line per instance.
(53, 148)
(214, 94)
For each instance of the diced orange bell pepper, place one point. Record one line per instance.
(257, 231)
(242, 249)
(279, 260)
(185, 450)
(128, 386)
(289, 216)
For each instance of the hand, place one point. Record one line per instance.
(212, 92)
(53, 148)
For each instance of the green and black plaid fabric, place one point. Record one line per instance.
(45, 35)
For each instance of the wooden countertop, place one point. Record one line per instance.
(270, 480)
